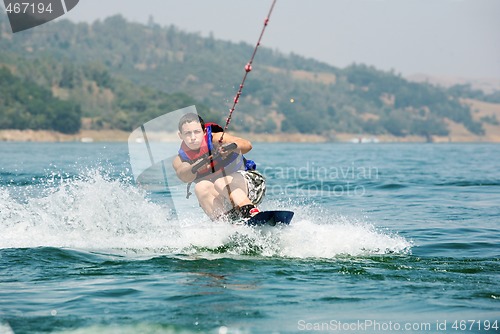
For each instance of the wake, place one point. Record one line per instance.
(97, 213)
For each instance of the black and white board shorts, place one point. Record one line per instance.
(256, 185)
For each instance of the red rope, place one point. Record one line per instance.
(248, 68)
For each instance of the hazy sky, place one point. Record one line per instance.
(458, 38)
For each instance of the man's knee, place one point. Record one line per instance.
(220, 185)
(203, 188)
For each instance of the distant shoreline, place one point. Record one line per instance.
(122, 136)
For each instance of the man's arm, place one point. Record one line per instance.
(183, 170)
(243, 145)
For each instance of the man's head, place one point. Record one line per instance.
(191, 130)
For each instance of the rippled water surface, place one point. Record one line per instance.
(387, 237)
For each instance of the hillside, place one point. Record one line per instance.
(121, 74)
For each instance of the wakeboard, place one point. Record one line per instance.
(271, 218)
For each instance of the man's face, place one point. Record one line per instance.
(192, 134)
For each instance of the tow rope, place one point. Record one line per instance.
(248, 68)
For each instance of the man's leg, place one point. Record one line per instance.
(208, 198)
(234, 188)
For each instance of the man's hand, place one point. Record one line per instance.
(226, 149)
(201, 165)
(222, 151)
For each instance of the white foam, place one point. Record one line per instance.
(5, 328)
(95, 213)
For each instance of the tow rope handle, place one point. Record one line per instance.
(248, 68)
(203, 162)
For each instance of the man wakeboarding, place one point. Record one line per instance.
(227, 185)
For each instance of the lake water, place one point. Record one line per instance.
(385, 238)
